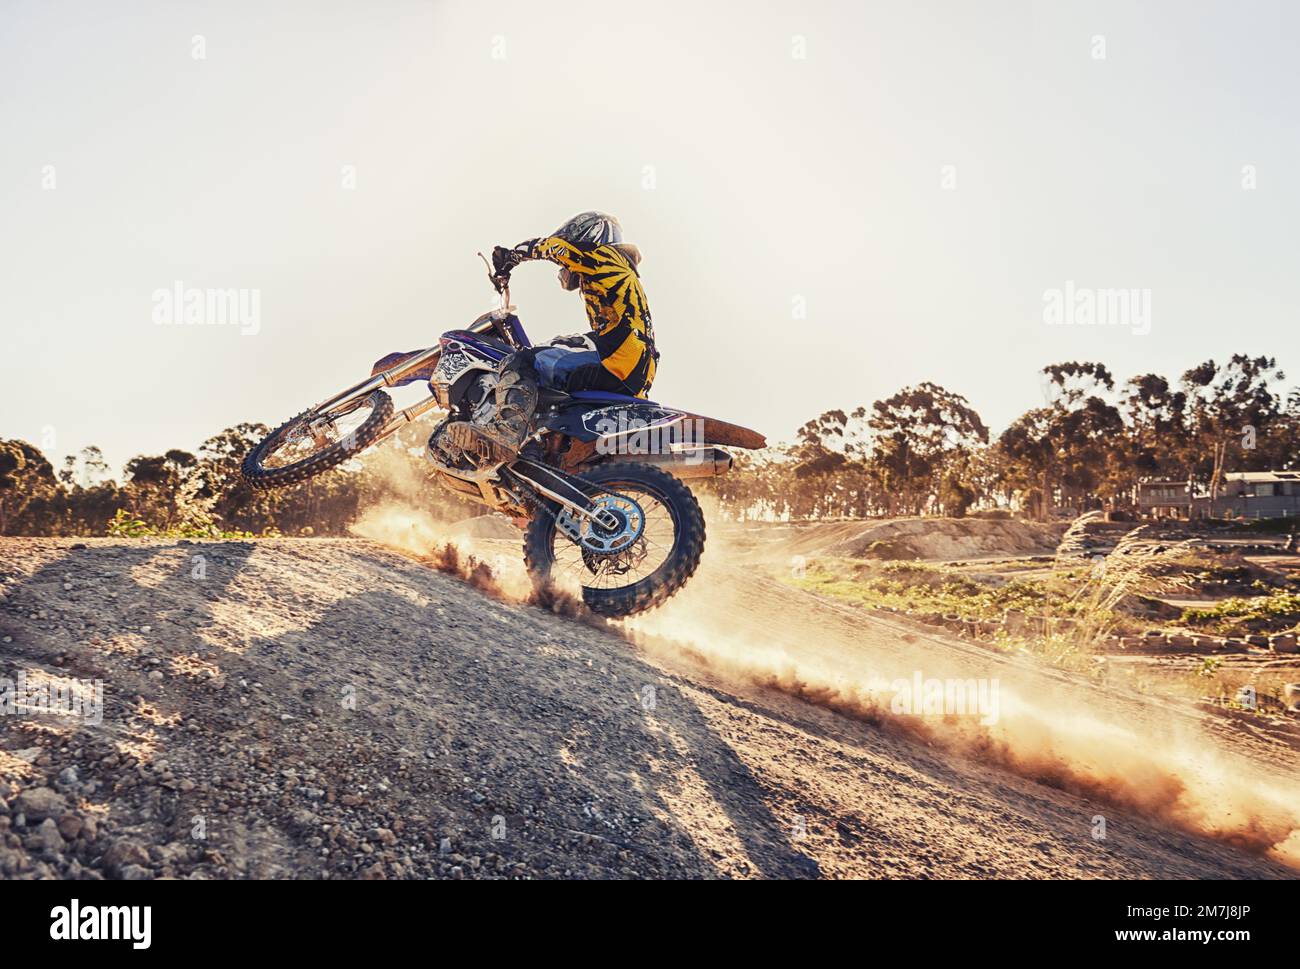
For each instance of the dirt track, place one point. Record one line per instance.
(330, 708)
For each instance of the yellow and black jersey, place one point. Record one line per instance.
(616, 307)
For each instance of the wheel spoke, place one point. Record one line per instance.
(309, 437)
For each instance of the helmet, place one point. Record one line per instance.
(589, 230)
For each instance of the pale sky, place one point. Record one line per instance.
(834, 200)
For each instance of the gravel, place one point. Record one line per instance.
(330, 709)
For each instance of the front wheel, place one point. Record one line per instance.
(635, 577)
(317, 440)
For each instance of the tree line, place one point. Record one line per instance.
(923, 450)
(202, 493)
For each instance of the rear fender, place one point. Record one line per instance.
(616, 424)
(582, 422)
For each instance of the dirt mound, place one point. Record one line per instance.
(329, 708)
(933, 539)
(947, 539)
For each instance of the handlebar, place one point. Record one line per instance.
(499, 283)
(495, 320)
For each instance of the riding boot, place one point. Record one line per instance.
(500, 438)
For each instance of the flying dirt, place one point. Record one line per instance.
(338, 708)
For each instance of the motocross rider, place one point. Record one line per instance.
(617, 354)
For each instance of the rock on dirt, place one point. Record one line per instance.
(39, 803)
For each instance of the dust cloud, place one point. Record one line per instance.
(1133, 752)
(1137, 753)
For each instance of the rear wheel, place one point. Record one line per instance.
(316, 441)
(616, 578)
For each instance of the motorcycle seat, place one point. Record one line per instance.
(609, 397)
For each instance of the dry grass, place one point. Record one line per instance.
(1135, 567)
(1068, 609)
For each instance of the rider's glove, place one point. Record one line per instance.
(504, 260)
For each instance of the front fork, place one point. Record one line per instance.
(385, 378)
(487, 323)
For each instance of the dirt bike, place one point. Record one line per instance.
(599, 481)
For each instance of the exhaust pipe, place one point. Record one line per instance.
(695, 462)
